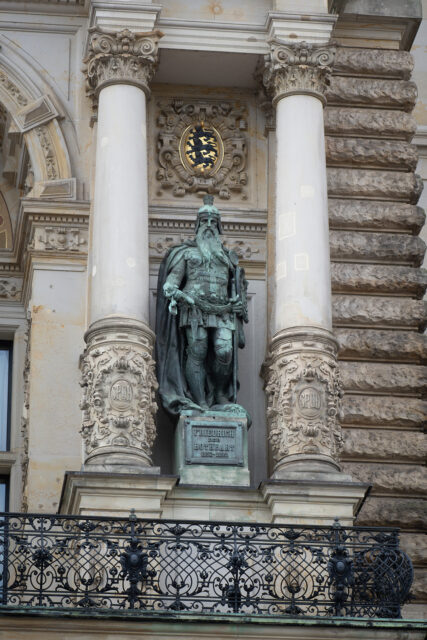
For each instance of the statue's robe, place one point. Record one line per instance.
(171, 340)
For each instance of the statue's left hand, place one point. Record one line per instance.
(236, 305)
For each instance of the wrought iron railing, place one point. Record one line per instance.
(53, 561)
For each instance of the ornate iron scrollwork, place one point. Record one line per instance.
(202, 567)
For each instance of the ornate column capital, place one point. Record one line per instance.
(299, 68)
(121, 57)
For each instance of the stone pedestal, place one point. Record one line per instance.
(315, 499)
(211, 448)
(114, 494)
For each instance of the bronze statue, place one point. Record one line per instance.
(201, 307)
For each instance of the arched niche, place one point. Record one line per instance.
(5, 225)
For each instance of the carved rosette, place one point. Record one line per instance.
(303, 390)
(121, 57)
(299, 68)
(119, 386)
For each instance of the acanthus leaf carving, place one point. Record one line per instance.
(299, 68)
(118, 402)
(120, 57)
(304, 391)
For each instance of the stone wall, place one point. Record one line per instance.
(378, 288)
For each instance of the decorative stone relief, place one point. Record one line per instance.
(48, 152)
(12, 90)
(301, 68)
(245, 249)
(201, 147)
(59, 239)
(303, 390)
(10, 289)
(119, 407)
(120, 57)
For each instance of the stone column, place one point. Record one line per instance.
(302, 382)
(118, 371)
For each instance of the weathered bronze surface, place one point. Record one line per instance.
(201, 307)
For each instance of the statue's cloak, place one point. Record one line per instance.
(171, 341)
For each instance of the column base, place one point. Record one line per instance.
(89, 493)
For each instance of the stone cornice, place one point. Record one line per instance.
(299, 68)
(122, 57)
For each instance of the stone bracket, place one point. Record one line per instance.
(39, 112)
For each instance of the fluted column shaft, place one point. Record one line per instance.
(302, 384)
(118, 376)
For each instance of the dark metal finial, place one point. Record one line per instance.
(207, 199)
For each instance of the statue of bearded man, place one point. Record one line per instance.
(201, 307)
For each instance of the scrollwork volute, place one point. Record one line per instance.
(304, 390)
(119, 407)
(299, 68)
(121, 57)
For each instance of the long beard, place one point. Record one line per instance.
(209, 245)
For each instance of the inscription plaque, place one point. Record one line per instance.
(213, 442)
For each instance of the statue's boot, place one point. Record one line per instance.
(221, 373)
(196, 379)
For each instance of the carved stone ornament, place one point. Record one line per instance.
(201, 148)
(120, 57)
(299, 68)
(119, 386)
(303, 390)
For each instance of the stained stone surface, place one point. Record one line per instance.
(384, 378)
(375, 123)
(372, 92)
(381, 345)
(373, 278)
(415, 546)
(381, 444)
(376, 62)
(367, 214)
(362, 152)
(383, 411)
(367, 246)
(389, 478)
(419, 586)
(376, 256)
(387, 185)
(379, 311)
(408, 513)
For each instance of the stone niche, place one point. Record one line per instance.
(203, 144)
